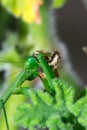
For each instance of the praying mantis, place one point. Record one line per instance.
(40, 64)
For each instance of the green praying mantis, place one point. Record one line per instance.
(40, 64)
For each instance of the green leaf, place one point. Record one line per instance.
(59, 111)
(78, 106)
(82, 119)
(41, 112)
(55, 122)
(64, 92)
(59, 3)
(79, 109)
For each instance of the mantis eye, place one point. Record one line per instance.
(31, 63)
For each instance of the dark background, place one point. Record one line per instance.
(71, 22)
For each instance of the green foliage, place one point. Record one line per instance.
(59, 3)
(24, 9)
(79, 109)
(58, 112)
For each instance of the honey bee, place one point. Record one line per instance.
(52, 59)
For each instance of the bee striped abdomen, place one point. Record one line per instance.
(53, 60)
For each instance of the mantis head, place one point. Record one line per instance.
(32, 65)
